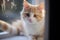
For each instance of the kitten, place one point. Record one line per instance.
(33, 18)
(31, 23)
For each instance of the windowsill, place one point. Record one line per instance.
(16, 38)
(7, 36)
(4, 35)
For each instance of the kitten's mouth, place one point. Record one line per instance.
(30, 20)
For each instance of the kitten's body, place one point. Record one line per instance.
(31, 24)
(34, 28)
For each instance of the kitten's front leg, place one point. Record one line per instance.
(35, 37)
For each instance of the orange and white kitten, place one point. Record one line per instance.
(32, 20)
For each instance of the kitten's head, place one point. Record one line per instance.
(33, 13)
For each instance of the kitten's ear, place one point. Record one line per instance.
(25, 4)
(41, 6)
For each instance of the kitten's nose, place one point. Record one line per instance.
(30, 20)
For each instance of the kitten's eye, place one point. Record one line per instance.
(34, 15)
(27, 14)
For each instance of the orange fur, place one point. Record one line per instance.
(4, 25)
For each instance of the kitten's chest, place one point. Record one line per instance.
(34, 28)
(37, 25)
(33, 25)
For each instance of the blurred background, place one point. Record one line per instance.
(10, 9)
